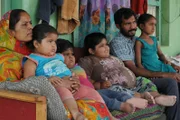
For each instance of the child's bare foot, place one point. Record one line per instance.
(127, 107)
(165, 100)
(138, 102)
(78, 116)
(148, 97)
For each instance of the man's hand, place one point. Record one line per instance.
(175, 76)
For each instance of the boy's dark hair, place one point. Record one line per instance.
(40, 31)
(15, 17)
(144, 18)
(125, 13)
(63, 45)
(92, 40)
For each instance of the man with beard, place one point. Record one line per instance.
(122, 46)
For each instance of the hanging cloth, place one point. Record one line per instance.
(68, 17)
(139, 6)
(46, 8)
(98, 16)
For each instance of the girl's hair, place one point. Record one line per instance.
(92, 40)
(15, 17)
(123, 13)
(40, 32)
(63, 45)
(144, 18)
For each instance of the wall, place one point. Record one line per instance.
(31, 6)
(0, 9)
(171, 27)
(170, 22)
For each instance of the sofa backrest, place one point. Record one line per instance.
(79, 52)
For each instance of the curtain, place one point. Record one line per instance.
(98, 16)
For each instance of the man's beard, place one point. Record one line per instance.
(126, 34)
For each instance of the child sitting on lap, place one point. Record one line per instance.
(45, 61)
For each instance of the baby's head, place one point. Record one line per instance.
(146, 20)
(44, 40)
(66, 48)
(96, 44)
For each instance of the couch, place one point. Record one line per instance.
(21, 106)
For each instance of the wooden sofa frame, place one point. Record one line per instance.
(22, 106)
(25, 106)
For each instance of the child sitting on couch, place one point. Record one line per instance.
(114, 100)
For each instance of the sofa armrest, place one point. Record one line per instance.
(17, 105)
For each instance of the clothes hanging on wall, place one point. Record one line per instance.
(139, 6)
(98, 16)
(125, 3)
(68, 17)
(46, 8)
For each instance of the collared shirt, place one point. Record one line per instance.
(123, 47)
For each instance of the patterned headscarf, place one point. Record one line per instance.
(11, 52)
(6, 38)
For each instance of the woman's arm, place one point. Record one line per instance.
(71, 83)
(29, 69)
(138, 47)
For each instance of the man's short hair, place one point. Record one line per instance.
(125, 13)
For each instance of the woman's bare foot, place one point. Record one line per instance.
(148, 97)
(165, 100)
(138, 102)
(78, 116)
(127, 107)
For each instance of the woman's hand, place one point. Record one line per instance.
(76, 84)
(72, 83)
(55, 81)
(64, 82)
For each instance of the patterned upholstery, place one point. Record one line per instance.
(150, 113)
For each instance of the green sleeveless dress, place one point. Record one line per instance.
(150, 58)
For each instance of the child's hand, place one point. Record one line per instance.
(55, 81)
(105, 84)
(177, 68)
(167, 62)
